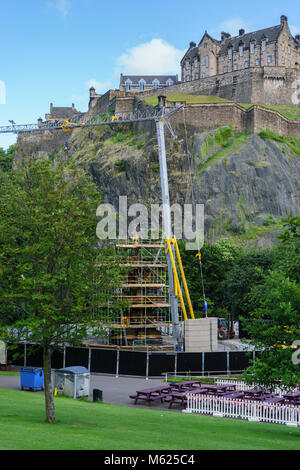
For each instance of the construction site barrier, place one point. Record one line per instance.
(135, 363)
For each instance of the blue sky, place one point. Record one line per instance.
(53, 50)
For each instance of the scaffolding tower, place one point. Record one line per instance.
(147, 322)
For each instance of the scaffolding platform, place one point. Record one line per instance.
(145, 288)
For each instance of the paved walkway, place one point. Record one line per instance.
(115, 390)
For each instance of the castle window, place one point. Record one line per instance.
(207, 61)
(246, 64)
(264, 45)
(169, 82)
(258, 62)
(196, 63)
(225, 69)
(252, 48)
(155, 84)
(289, 63)
(241, 51)
(197, 76)
(230, 53)
(187, 78)
(187, 64)
(283, 60)
(142, 85)
(270, 59)
(289, 49)
(128, 85)
(235, 66)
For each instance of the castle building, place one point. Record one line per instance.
(57, 113)
(140, 83)
(270, 47)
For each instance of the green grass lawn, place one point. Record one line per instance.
(83, 425)
(288, 111)
(189, 99)
(4, 372)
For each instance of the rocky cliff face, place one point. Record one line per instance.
(245, 182)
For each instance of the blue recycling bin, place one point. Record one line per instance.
(32, 378)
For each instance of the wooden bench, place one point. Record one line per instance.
(149, 399)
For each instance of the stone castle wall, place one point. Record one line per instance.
(206, 117)
(257, 85)
(212, 115)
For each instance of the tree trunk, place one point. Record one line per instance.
(49, 402)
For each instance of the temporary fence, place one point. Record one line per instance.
(135, 363)
(243, 409)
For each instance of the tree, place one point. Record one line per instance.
(274, 328)
(292, 226)
(286, 258)
(246, 272)
(217, 260)
(7, 158)
(51, 272)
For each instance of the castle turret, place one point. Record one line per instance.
(92, 92)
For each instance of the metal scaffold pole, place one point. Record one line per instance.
(168, 233)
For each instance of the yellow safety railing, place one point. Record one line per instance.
(178, 292)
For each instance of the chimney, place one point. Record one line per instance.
(73, 106)
(225, 36)
(51, 108)
(192, 44)
(297, 37)
(241, 32)
(284, 19)
(162, 101)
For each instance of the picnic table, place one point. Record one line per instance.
(233, 395)
(253, 392)
(152, 394)
(219, 389)
(177, 397)
(188, 385)
(274, 400)
(181, 396)
(292, 397)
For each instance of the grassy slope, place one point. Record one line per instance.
(189, 99)
(95, 426)
(288, 111)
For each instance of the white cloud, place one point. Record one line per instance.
(233, 25)
(62, 6)
(100, 87)
(149, 58)
(294, 30)
(154, 57)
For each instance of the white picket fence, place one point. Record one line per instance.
(243, 409)
(242, 386)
